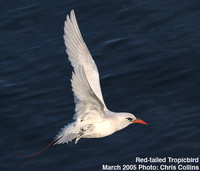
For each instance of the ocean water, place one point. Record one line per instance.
(148, 57)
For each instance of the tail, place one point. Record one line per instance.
(67, 134)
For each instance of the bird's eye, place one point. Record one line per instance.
(130, 119)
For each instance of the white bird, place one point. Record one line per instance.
(92, 118)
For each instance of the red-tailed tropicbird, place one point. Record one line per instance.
(92, 118)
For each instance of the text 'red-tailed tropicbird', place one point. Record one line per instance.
(92, 118)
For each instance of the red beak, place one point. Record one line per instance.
(139, 121)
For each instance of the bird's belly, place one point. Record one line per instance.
(100, 130)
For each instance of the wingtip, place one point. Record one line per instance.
(72, 12)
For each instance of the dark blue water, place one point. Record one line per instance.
(148, 57)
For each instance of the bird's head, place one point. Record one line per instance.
(128, 118)
(133, 119)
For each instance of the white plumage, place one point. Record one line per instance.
(92, 119)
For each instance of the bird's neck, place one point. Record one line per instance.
(117, 120)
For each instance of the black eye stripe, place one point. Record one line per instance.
(130, 119)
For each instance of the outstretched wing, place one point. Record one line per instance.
(85, 78)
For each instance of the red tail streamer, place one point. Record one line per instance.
(35, 154)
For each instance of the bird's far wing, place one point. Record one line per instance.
(88, 106)
(79, 54)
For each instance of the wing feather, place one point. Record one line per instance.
(88, 105)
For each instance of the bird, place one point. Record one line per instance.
(92, 118)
